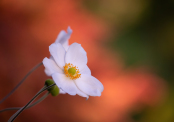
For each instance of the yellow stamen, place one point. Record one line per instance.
(71, 71)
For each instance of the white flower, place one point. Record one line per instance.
(70, 72)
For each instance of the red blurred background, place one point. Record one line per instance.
(28, 28)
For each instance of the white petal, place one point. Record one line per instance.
(58, 53)
(89, 85)
(61, 91)
(66, 45)
(51, 67)
(67, 85)
(85, 70)
(81, 93)
(63, 38)
(76, 55)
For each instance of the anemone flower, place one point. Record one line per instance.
(70, 72)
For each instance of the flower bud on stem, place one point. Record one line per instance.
(53, 90)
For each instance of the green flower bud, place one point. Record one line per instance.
(54, 90)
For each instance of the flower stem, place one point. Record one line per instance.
(13, 117)
(34, 68)
(35, 103)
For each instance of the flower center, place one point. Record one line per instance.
(71, 71)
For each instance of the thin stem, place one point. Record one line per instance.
(38, 101)
(35, 103)
(12, 118)
(21, 82)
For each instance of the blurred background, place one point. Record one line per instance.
(130, 49)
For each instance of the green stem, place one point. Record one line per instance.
(13, 117)
(17, 108)
(21, 82)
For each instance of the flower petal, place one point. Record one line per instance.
(76, 55)
(63, 38)
(51, 67)
(67, 85)
(58, 53)
(81, 93)
(61, 91)
(89, 85)
(85, 70)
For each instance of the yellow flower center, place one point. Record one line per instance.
(71, 71)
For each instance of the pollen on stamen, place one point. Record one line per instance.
(71, 71)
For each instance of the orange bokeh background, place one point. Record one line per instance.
(28, 28)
